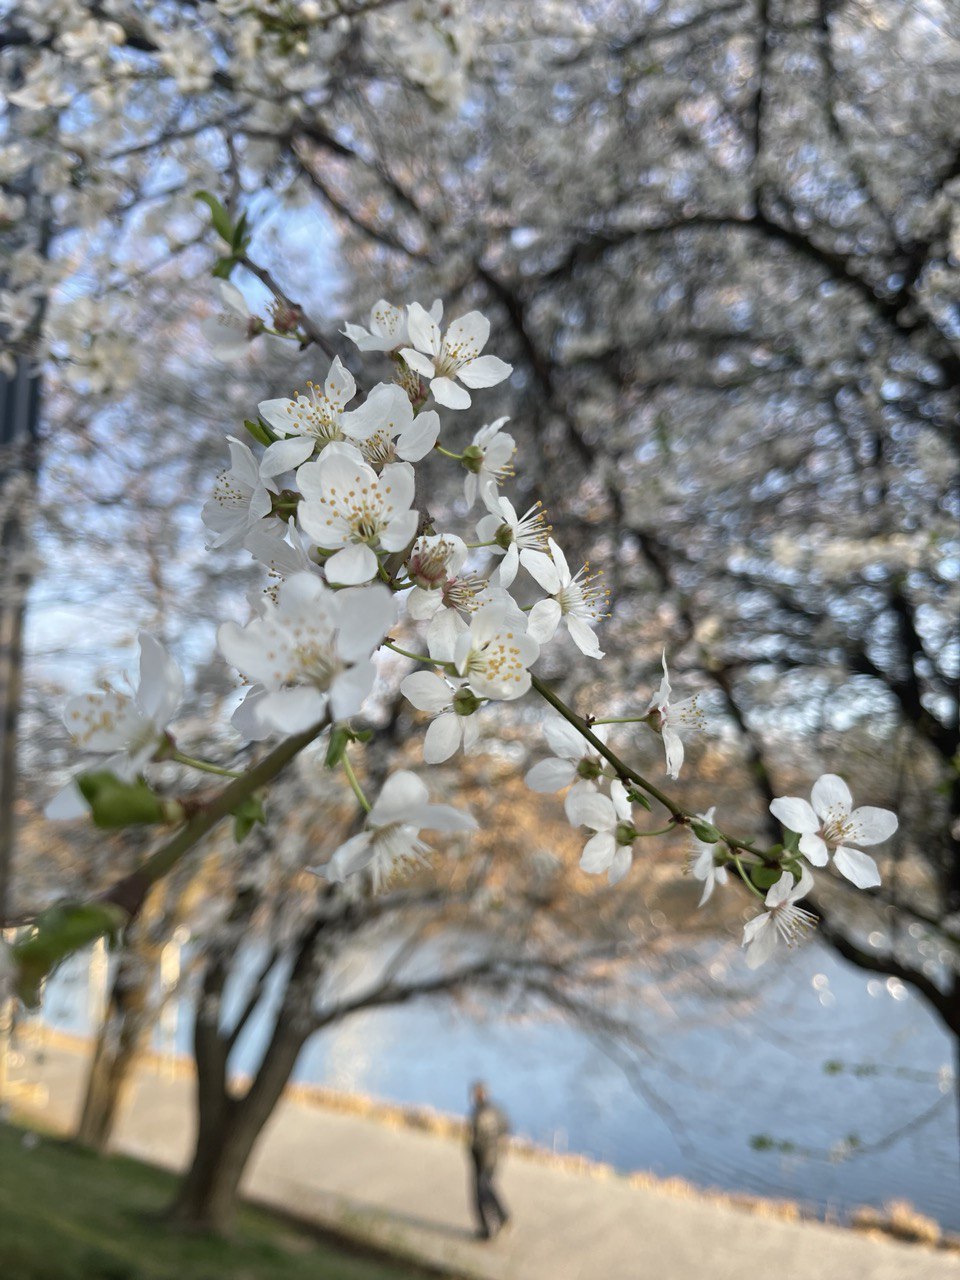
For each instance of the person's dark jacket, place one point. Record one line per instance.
(488, 1125)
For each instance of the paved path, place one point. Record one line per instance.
(407, 1190)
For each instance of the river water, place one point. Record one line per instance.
(712, 1099)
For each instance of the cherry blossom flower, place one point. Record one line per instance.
(573, 761)
(611, 817)
(310, 651)
(782, 920)
(385, 428)
(489, 460)
(494, 653)
(128, 727)
(315, 417)
(831, 821)
(575, 600)
(434, 566)
(349, 509)
(456, 354)
(388, 327)
(391, 837)
(242, 493)
(229, 331)
(515, 537)
(452, 705)
(702, 864)
(665, 716)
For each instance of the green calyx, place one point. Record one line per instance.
(465, 702)
(472, 458)
(625, 833)
(589, 769)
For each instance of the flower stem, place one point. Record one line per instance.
(661, 831)
(621, 720)
(355, 784)
(626, 774)
(405, 653)
(204, 765)
(746, 879)
(457, 457)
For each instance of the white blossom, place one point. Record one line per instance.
(492, 654)
(316, 415)
(310, 651)
(385, 429)
(391, 837)
(228, 331)
(665, 716)
(388, 327)
(574, 760)
(575, 600)
(128, 727)
(783, 919)
(515, 537)
(611, 818)
(831, 821)
(490, 459)
(434, 566)
(454, 355)
(242, 493)
(349, 509)
(452, 705)
(702, 863)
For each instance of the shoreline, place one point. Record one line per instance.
(897, 1221)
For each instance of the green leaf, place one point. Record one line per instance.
(223, 268)
(258, 431)
(218, 216)
(765, 877)
(115, 803)
(246, 816)
(636, 796)
(58, 933)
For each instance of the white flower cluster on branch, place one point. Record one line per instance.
(333, 507)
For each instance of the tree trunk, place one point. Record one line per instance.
(19, 414)
(227, 1132)
(119, 1042)
(228, 1127)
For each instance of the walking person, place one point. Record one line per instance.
(488, 1126)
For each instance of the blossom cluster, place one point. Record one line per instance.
(105, 104)
(329, 497)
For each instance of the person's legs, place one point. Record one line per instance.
(490, 1212)
(481, 1201)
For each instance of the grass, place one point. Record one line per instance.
(66, 1214)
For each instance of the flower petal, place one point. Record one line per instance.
(446, 392)
(872, 826)
(551, 775)
(598, 853)
(485, 371)
(859, 868)
(795, 814)
(351, 566)
(814, 849)
(831, 796)
(442, 739)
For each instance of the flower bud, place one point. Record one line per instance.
(705, 831)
